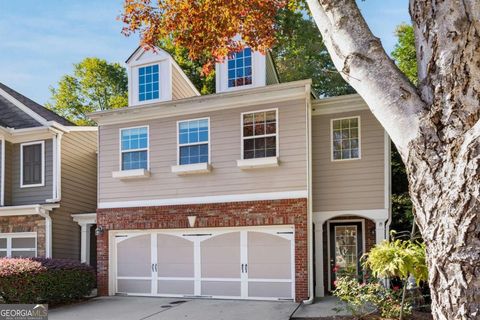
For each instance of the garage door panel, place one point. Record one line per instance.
(269, 256)
(220, 256)
(270, 289)
(221, 288)
(175, 256)
(134, 286)
(184, 287)
(134, 256)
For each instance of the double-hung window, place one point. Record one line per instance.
(240, 68)
(193, 141)
(148, 83)
(345, 138)
(32, 164)
(260, 134)
(134, 148)
(15, 245)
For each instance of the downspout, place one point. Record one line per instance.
(388, 183)
(57, 166)
(48, 230)
(311, 291)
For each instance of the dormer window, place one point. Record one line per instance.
(148, 80)
(240, 68)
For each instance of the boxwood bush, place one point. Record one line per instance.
(39, 280)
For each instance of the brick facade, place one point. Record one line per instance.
(30, 223)
(234, 214)
(370, 239)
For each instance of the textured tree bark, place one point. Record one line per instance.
(436, 128)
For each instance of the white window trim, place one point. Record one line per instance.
(10, 236)
(133, 150)
(194, 143)
(277, 133)
(42, 143)
(359, 139)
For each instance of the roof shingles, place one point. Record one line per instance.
(13, 117)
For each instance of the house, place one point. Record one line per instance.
(260, 191)
(47, 174)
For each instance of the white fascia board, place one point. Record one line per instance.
(345, 103)
(214, 102)
(27, 209)
(294, 194)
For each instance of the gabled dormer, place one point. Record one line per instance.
(154, 76)
(245, 69)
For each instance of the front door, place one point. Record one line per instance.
(346, 249)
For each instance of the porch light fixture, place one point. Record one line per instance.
(191, 221)
(99, 231)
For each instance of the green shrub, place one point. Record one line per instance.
(39, 280)
(364, 298)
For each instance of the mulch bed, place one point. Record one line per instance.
(415, 316)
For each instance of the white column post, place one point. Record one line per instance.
(380, 230)
(85, 243)
(319, 285)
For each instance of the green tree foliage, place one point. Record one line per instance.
(95, 85)
(405, 53)
(300, 54)
(405, 57)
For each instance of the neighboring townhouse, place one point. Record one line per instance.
(48, 172)
(255, 192)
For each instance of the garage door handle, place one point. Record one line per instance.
(156, 267)
(153, 268)
(242, 267)
(246, 267)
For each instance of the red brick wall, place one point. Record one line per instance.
(234, 214)
(32, 223)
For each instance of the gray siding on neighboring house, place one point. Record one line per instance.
(8, 173)
(352, 184)
(226, 178)
(271, 73)
(79, 191)
(1, 166)
(31, 195)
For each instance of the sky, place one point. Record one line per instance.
(41, 40)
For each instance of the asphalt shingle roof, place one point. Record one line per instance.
(11, 116)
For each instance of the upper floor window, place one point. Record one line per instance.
(148, 83)
(259, 136)
(32, 159)
(134, 148)
(240, 68)
(346, 138)
(193, 141)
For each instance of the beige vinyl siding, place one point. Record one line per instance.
(79, 191)
(225, 143)
(350, 184)
(32, 195)
(271, 73)
(180, 87)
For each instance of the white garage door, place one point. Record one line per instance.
(228, 263)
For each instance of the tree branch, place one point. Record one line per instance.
(367, 68)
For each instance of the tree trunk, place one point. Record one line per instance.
(435, 127)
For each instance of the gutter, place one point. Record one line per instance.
(57, 166)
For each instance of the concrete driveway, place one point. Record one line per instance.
(139, 308)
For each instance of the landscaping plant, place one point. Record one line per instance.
(39, 280)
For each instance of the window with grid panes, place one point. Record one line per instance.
(260, 134)
(346, 141)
